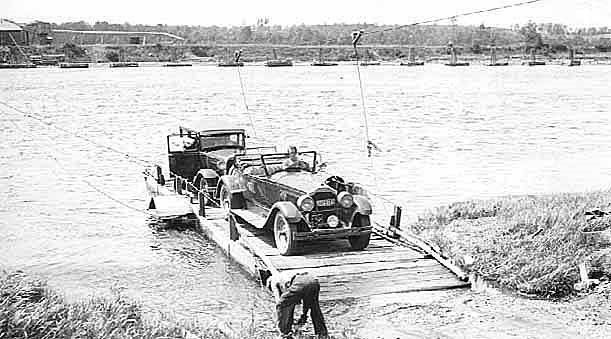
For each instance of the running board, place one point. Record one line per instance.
(250, 217)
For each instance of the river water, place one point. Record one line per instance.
(445, 135)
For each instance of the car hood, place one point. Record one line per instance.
(303, 181)
(224, 154)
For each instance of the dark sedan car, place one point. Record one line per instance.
(202, 154)
(295, 203)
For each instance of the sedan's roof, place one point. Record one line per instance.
(212, 126)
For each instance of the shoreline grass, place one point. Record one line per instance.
(529, 244)
(29, 309)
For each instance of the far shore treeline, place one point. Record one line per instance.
(302, 42)
(531, 34)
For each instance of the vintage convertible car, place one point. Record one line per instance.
(203, 152)
(297, 204)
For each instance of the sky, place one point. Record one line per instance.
(574, 13)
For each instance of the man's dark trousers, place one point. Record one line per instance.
(303, 287)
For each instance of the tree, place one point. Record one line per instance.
(73, 51)
(112, 56)
(245, 34)
(531, 36)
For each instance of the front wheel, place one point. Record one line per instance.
(284, 235)
(359, 242)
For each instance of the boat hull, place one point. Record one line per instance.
(323, 64)
(279, 63)
(231, 64)
(412, 63)
(123, 64)
(73, 65)
(16, 66)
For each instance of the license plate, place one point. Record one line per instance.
(325, 203)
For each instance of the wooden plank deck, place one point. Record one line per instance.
(383, 267)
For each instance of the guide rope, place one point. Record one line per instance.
(129, 157)
(86, 182)
(238, 54)
(356, 37)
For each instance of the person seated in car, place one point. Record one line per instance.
(294, 161)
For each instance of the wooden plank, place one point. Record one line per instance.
(381, 268)
(252, 218)
(360, 290)
(294, 262)
(384, 267)
(428, 249)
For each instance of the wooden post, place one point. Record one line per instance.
(160, 178)
(202, 205)
(233, 230)
(397, 217)
(179, 185)
(194, 194)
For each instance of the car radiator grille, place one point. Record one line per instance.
(324, 206)
(324, 201)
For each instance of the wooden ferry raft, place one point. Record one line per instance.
(392, 263)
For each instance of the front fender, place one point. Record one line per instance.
(288, 209)
(363, 206)
(233, 183)
(204, 173)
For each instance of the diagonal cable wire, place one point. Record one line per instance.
(252, 123)
(95, 188)
(128, 156)
(453, 17)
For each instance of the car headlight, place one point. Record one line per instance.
(305, 203)
(333, 221)
(221, 165)
(345, 199)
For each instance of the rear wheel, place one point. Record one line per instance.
(284, 235)
(360, 242)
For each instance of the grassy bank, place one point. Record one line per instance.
(29, 309)
(530, 244)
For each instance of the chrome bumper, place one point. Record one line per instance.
(333, 233)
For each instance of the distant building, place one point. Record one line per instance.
(135, 40)
(89, 37)
(11, 34)
(39, 33)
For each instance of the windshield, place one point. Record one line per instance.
(290, 163)
(222, 140)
